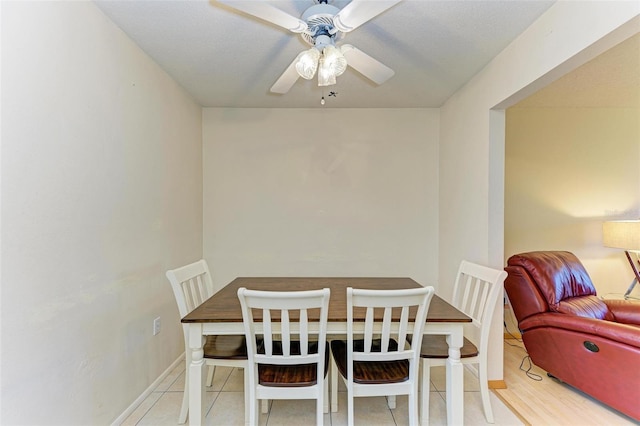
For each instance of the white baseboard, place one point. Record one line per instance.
(122, 417)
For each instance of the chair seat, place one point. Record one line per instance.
(226, 347)
(297, 375)
(435, 346)
(370, 372)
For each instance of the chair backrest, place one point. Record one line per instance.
(400, 309)
(191, 286)
(476, 292)
(303, 318)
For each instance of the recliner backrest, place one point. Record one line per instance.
(562, 282)
(558, 274)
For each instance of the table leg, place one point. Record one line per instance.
(196, 382)
(455, 381)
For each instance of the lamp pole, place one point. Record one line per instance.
(634, 266)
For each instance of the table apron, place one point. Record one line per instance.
(452, 330)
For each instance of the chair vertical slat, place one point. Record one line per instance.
(267, 336)
(386, 329)
(304, 332)
(193, 292)
(483, 299)
(184, 285)
(191, 303)
(465, 298)
(404, 320)
(476, 284)
(285, 332)
(475, 307)
(185, 296)
(349, 341)
(188, 295)
(368, 330)
(202, 291)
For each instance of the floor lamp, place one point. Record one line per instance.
(625, 234)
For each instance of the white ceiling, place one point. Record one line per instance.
(225, 58)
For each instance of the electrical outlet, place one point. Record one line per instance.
(156, 326)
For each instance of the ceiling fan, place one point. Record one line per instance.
(323, 25)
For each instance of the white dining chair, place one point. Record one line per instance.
(476, 292)
(289, 361)
(191, 286)
(379, 361)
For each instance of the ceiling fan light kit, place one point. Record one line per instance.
(322, 25)
(307, 63)
(335, 60)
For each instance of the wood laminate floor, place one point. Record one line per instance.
(540, 400)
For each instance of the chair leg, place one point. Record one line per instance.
(334, 386)
(182, 419)
(320, 403)
(413, 405)
(325, 397)
(255, 414)
(425, 384)
(211, 371)
(484, 391)
(350, 415)
(391, 402)
(265, 406)
(247, 397)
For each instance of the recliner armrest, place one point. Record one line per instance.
(625, 311)
(615, 331)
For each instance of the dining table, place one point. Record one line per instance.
(221, 315)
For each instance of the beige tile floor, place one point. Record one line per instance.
(224, 405)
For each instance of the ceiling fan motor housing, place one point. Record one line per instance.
(319, 19)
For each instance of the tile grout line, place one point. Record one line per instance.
(157, 400)
(220, 391)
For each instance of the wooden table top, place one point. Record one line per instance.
(224, 306)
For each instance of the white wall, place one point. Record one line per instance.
(101, 193)
(471, 173)
(567, 171)
(321, 192)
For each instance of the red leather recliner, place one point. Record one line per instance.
(588, 343)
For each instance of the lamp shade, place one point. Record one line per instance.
(624, 234)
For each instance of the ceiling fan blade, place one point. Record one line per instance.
(287, 79)
(366, 65)
(269, 13)
(358, 12)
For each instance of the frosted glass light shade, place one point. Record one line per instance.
(326, 77)
(334, 60)
(307, 63)
(624, 234)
